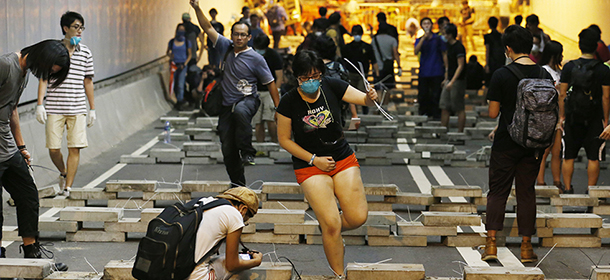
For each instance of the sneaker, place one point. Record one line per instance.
(248, 160)
(569, 191)
(37, 251)
(65, 192)
(560, 186)
(62, 181)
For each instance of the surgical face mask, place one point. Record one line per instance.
(75, 40)
(318, 33)
(536, 48)
(358, 38)
(310, 86)
(180, 35)
(444, 38)
(261, 52)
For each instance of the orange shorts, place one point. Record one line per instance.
(304, 173)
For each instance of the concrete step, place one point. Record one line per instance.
(73, 275)
(385, 271)
(450, 219)
(418, 229)
(455, 190)
(574, 200)
(25, 268)
(410, 198)
(130, 186)
(503, 273)
(562, 220)
(90, 214)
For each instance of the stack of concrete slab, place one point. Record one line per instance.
(471, 192)
(590, 222)
(602, 193)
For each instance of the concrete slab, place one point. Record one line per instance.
(385, 271)
(456, 191)
(560, 220)
(400, 241)
(90, 214)
(410, 198)
(58, 275)
(572, 241)
(503, 273)
(267, 270)
(270, 237)
(25, 268)
(130, 186)
(418, 229)
(118, 270)
(89, 235)
(450, 219)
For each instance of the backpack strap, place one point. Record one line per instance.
(224, 60)
(211, 252)
(515, 70)
(208, 206)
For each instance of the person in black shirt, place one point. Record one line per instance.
(322, 21)
(584, 130)
(213, 56)
(392, 30)
(454, 85)
(324, 164)
(193, 33)
(266, 111)
(494, 51)
(509, 161)
(359, 53)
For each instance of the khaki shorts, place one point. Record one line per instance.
(76, 126)
(266, 112)
(453, 100)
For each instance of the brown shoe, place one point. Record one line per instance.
(491, 250)
(527, 252)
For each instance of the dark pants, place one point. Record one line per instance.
(429, 95)
(18, 182)
(388, 71)
(521, 166)
(235, 129)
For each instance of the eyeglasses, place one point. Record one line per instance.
(238, 35)
(78, 27)
(315, 76)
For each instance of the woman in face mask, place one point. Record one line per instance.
(179, 52)
(324, 164)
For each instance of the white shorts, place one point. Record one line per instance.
(265, 112)
(76, 126)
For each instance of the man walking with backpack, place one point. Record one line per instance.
(510, 160)
(585, 86)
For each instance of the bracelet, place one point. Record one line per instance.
(22, 147)
(312, 158)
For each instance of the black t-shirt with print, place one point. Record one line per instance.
(310, 119)
(503, 89)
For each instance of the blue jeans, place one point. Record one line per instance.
(235, 129)
(179, 81)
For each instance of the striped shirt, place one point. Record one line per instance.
(69, 98)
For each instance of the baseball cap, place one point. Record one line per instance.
(243, 195)
(186, 16)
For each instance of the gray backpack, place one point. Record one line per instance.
(536, 112)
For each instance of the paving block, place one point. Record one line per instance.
(60, 202)
(149, 213)
(205, 186)
(278, 216)
(503, 273)
(380, 189)
(514, 232)
(434, 148)
(167, 194)
(126, 225)
(572, 241)
(175, 136)
(480, 201)
(292, 205)
(456, 155)
(25, 268)
(376, 161)
(91, 235)
(266, 146)
(133, 203)
(94, 193)
(307, 227)
(175, 120)
(385, 271)
(559, 220)
(373, 148)
(600, 273)
(542, 191)
(454, 207)
(53, 224)
(599, 191)
(270, 237)
(400, 240)
(266, 270)
(206, 122)
(418, 229)
(130, 186)
(118, 270)
(48, 191)
(10, 233)
(200, 146)
(198, 160)
(139, 159)
(410, 198)
(430, 129)
(282, 188)
(59, 275)
(250, 228)
(381, 131)
(379, 206)
(456, 136)
(404, 154)
(450, 219)
(167, 155)
(574, 200)
(198, 154)
(602, 210)
(460, 191)
(90, 214)
(464, 240)
(377, 218)
(377, 230)
(510, 220)
(347, 240)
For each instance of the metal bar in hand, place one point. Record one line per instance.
(368, 86)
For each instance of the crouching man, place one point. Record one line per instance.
(226, 221)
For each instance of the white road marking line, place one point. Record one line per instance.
(507, 258)
(471, 256)
(9, 228)
(7, 243)
(105, 176)
(51, 212)
(420, 178)
(479, 229)
(145, 147)
(403, 147)
(441, 177)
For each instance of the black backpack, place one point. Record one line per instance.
(168, 249)
(580, 102)
(536, 111)
(211, 101)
